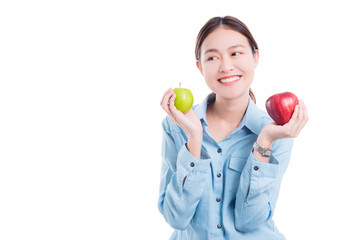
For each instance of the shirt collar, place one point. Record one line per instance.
(200, 109)
(254, 118)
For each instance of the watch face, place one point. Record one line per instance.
(267, 152)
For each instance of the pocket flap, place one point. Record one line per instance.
(237, 163)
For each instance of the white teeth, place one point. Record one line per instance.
(227, 80)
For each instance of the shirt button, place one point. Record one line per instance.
(218, 199)
(256, 168)
(192, 164)
(219, 226)
(218, 175)
(219, 150)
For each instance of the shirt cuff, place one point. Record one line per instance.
(187, 163)
(262, 169)
(262, 175)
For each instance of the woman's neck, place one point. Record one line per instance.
(229, 110)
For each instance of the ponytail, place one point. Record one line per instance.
(252, 95)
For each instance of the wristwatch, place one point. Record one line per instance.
(266, 152)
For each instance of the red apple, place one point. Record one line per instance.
(281, 107)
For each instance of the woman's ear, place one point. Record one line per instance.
(198, 64)
(256, 58)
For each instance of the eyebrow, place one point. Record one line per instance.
(216, 50)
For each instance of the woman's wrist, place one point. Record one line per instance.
(194, 145)
(264, 141)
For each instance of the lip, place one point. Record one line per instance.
(230, 76)
(230, 83)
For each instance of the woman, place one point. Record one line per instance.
(217, 182)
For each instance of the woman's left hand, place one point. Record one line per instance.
(291, 129)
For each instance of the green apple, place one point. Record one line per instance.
(184, 99)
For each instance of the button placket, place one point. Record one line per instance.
(218, 184)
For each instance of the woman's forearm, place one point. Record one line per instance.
(194, 145)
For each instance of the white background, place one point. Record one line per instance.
(80, 121)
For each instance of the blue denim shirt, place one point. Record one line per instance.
(227, 193)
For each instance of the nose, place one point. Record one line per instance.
(226, 65)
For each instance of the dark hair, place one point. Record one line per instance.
(226, 22)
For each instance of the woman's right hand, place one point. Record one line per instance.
(189, 121)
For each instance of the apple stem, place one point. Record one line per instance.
(179, 84)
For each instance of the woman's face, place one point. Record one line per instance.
(227, 63)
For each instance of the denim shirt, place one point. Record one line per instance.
(227, 193)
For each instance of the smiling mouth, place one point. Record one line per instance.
(230, 79)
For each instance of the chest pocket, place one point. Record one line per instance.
(236, 166)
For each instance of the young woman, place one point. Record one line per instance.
(217, 182)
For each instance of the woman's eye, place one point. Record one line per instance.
(212, 58)
(236, 54)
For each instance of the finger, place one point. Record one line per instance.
(172, 107)
(166, 106)
(302, 120)
(165, 100)
(301, 112)
(294, 117)
(305, 117)
(174, 113)
(293, 125)
(165, 96)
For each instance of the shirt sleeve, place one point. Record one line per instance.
(182, 181)
(259, 187)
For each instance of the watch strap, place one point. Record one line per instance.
(266, 152)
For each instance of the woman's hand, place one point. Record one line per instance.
(189, 122)
(291, 129)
